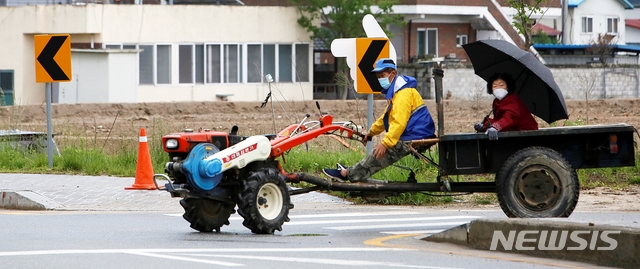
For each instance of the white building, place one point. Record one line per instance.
(588, 18)
(159, 53)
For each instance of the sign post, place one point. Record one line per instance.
(368, 51)
(53, 64)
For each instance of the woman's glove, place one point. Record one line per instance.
(478, 127)
(493, 133)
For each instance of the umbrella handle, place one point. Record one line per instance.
(485, 121)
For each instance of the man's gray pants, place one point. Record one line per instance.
(368, 166)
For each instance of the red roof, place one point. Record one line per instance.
(546, 29)
(635, 23)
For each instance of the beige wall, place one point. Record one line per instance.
(149, 24)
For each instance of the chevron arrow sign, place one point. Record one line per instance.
(53, 58)
(368, 51)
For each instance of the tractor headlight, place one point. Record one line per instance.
(171, 143)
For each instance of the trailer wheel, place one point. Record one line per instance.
(206, 215)
(537, 182)
(264, 202)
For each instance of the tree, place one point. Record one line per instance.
(603, 47)
(587, 82)
(327, 20)
(522, 20)
(542, 38)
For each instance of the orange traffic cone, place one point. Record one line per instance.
(144, 168)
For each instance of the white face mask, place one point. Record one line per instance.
(500, 93)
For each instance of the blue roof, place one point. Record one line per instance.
(635, 3)
(576, 3)
(616, 47)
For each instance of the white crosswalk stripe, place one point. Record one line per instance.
(386, 222)
(403, 225)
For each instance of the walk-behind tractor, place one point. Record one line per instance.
(535, 171)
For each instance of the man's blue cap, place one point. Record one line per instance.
(383, 64)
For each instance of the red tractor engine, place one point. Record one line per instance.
(178, 145)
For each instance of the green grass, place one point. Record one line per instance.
(615, 178)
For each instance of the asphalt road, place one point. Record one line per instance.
(93, 222)
(345, 236)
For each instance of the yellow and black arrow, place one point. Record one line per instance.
(53, 58)
(368, 51)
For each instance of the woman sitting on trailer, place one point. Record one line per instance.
(509, 112)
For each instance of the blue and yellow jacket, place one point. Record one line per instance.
(406, 116)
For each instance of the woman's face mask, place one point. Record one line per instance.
(499, 88)
(500, 93)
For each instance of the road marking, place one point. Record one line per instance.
(423, 232)
(379, 242)
(335, 215)
(342, 228)
(182, 250)
(321, 261)
(342, 220)
(356, 214)
(380, 220)
(164, 256)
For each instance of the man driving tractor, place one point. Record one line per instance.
(406, 118)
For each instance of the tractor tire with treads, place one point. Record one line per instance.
(537, 182)
(206, 215)
(264, 201)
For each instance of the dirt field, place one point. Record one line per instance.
(118, 121)
(459, 115)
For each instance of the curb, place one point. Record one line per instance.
(572, 241)
(26, 200)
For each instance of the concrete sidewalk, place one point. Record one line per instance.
(66, 192)
(102, 193)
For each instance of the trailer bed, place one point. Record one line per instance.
(589, 146)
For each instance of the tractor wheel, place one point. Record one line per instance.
(537, 182)
(264, 201)
(206, 215)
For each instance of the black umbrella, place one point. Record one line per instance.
(534, 82)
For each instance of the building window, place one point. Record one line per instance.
(199, 62)
(254, 63)
(285, 62)
(289, 64)
(301, 67)
(145, 64)
(185, 63)
(232, 63)
(112, 46)
(461, 40)
(269, 60)
(163, 64)
(213, 63)
(6, 87)
(587, 24)
(428, 42)
(612, 25)
(223, 63)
